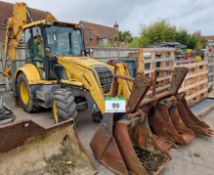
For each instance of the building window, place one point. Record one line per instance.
(91, 35)
(104, 42)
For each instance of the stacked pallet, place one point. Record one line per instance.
(195, 84)
(209, 56)
(158, 58)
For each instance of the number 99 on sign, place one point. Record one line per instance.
(115, 105)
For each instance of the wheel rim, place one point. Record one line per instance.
(24, 93)
(55, 113)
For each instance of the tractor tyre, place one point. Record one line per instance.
(25, 95)
(64, 106)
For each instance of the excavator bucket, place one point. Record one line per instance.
(140, 152)
(172, 119)
(191, 121)
(105, 148)
(26, 148)
(166, 122)
(126, 146)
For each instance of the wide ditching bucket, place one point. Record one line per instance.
(129, 149)
(126, 146)
(26, 148)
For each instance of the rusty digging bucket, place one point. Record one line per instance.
(130, 150)
(26, 148)
(140, 152)
(190, 120)
(166, 122)
(172, 119)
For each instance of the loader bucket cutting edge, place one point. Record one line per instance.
(26, 148)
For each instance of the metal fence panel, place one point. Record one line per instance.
(104, 54)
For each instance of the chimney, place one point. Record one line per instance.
(116, 26)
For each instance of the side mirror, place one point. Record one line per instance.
(47, 52)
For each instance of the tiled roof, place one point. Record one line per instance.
(101, 31)
(209, 37)
(6, 10)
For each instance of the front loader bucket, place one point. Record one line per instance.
(26, 148)
(140, 153)
(190, 120)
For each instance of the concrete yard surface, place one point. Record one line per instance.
(196, 158)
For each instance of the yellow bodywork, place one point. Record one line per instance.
(55, 112)
(80, 72)
(15, 24)
(32, 74)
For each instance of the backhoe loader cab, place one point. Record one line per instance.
(47, 40)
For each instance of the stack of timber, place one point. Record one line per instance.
(195, 84)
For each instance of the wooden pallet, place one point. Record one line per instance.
(209, 56)
(211, 95)
(157, 58)
(195, 84)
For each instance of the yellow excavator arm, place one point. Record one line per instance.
(14, 33)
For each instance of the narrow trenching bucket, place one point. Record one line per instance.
(140, 152)
(166, 122)
(172, 119)
(27, 148)
(186, 115)
(190, 120)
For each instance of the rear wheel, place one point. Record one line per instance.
(25, 96)
(64, 106)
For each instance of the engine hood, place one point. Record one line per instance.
(81, 61)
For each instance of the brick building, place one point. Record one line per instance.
(99, 35)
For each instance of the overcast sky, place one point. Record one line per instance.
(194, 15)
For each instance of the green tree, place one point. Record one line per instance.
(159, 31)
(135, 43)
(183, 37)
(162, 31)
(123, 37)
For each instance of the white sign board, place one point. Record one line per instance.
(115, 105)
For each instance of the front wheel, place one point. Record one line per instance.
(25, 95)
(97, 117)
(64, 106)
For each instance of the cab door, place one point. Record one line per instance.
(35, 49)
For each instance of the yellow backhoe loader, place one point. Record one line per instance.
(59, 75)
